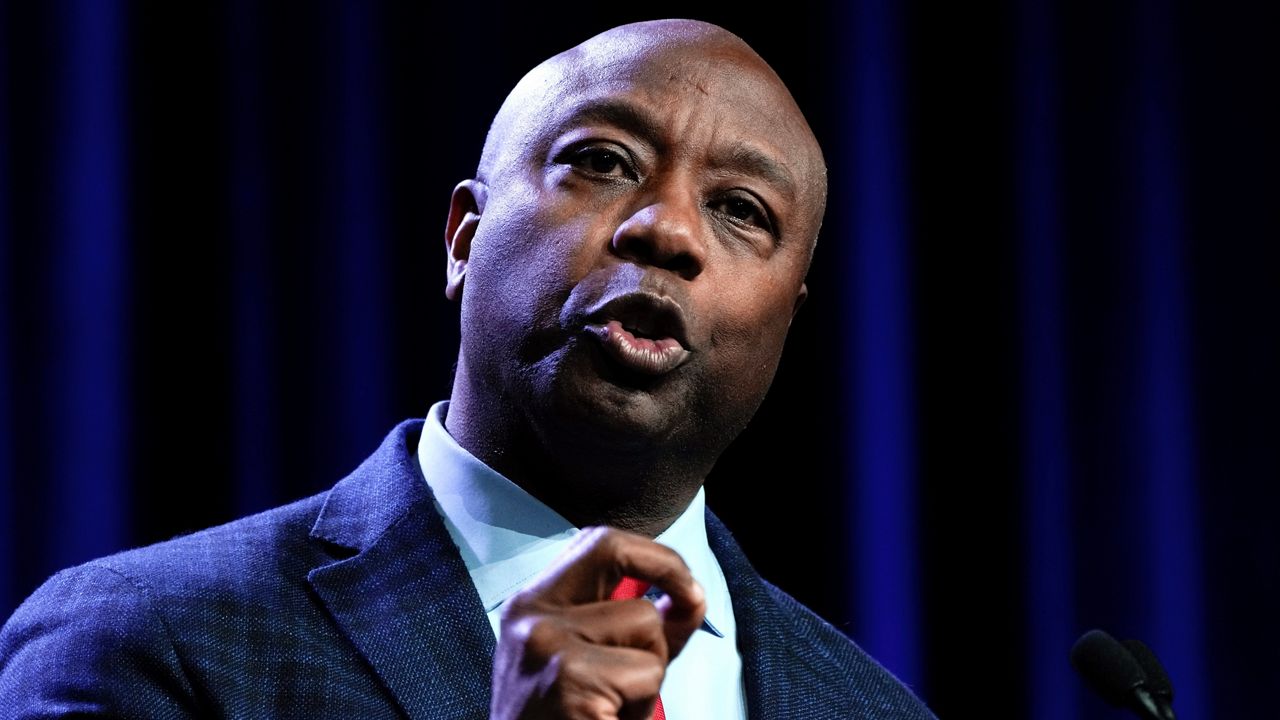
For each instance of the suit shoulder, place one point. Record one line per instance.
(831, 653)
(246, 560)
(148, 621)
(87, 640)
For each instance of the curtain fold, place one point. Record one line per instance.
(1033, 390)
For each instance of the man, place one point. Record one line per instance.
(628, 260)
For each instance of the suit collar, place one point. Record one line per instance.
(373, 497)
(765, 641)
(777, 675)
(406, 587)
(796, 665)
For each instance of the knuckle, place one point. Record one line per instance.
(649, 614)
(608, 540)
(574, 667)
(542, 636)
(517, 605)
(650, 673)
(590, 707)
(681, 573)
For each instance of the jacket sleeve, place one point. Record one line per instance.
(89, 643)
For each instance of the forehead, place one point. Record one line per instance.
(720, 98)
(719, 84)
(709, 96)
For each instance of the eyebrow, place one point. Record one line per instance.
(748, 160)
(739, 157)
(619, 113)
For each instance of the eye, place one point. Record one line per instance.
(744, 209)
(600, 161)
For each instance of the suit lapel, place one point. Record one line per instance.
(405, 599)
(768, 658)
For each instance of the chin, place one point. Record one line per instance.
(591, 400)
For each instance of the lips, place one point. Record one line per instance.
(642, 332)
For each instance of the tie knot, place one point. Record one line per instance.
(629, 589)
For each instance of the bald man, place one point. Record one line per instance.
(628, 260)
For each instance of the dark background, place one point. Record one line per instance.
(1033, 391)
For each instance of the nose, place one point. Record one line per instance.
(665, 234)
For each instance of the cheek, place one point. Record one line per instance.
(525, 260)
(547, 230)
(749, 334)
(743, 354)
(751, 350)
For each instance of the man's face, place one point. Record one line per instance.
(641, 247)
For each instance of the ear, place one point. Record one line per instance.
(465, 208)
(801, 296)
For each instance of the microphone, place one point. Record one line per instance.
(1157, 678)
(1114, 673)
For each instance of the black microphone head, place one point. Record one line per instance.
(1157, 679)
(1107, 667)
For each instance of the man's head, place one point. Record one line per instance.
(634, 247)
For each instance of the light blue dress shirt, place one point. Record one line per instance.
(507, 537)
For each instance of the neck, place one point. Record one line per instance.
(633, 486)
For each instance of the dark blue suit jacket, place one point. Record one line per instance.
(352, 604)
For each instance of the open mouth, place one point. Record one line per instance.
(641, 332)
(632, 349)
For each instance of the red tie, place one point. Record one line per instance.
(629, 589)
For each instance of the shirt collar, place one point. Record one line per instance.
(507, 536)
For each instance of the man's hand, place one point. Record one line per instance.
(567, 651)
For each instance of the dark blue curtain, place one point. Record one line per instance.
(1034, 390)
